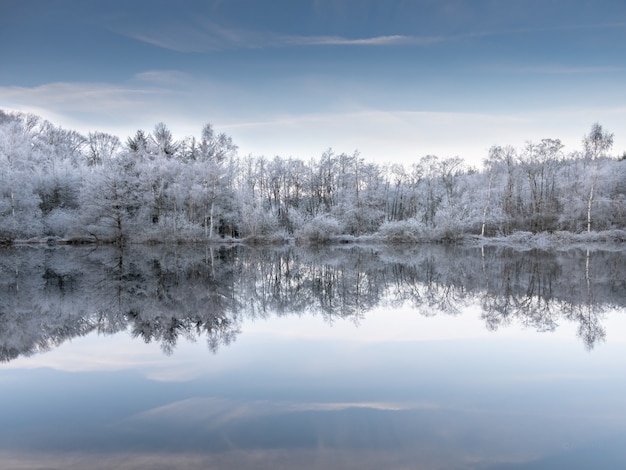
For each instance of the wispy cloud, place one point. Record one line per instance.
(75, 96)
(108, 107)
(556, 69)
(163, 77)
(204, 36)
(392, 40)
(278, 41)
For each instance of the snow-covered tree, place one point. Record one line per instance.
(112, 201)
(595, 144)
(20, 214)
(101, 146)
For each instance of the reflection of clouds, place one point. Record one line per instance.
(306, 459)
(379, 325)
(215, 412)
(370, 405)
(209, 411)
(270, 459)
(119, 352)
(555, 377)
(216, 433)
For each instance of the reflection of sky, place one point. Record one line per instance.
(396, 390)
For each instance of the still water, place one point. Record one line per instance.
(435, 357)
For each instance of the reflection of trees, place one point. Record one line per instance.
(520, 288)
(158, 296)
(539, 289)
(341, 283)
(425, 287)
(37, 312)
(162, 294)
(588, 312)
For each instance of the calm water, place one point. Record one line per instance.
(351, 358)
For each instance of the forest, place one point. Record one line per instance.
(57, 185)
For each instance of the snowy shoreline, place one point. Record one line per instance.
(613, 239)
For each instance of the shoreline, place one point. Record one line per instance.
(518, 240)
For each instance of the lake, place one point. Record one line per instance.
(347, 357)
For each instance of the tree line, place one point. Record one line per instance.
(60, 184)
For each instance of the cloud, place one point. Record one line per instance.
(116, 109)
(147, 98)
(205, 36)
(556, 69)
(405, 136)
(274, 127)
(380, 135)
(75, 96)
(163, 77)
(392, 40)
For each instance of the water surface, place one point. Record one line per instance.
(432, 357)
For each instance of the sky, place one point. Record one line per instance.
(394, 79)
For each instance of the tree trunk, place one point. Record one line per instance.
(589, 202)
(486, 208)
(211, 222)
(12, 203)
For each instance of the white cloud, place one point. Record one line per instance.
(205, 35)
(405, 136)
(262, 127)
(383, 136)
(392, 40)
(118, 109)
(84, 106)
(74, 96)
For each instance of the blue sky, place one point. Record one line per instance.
(395, 79)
